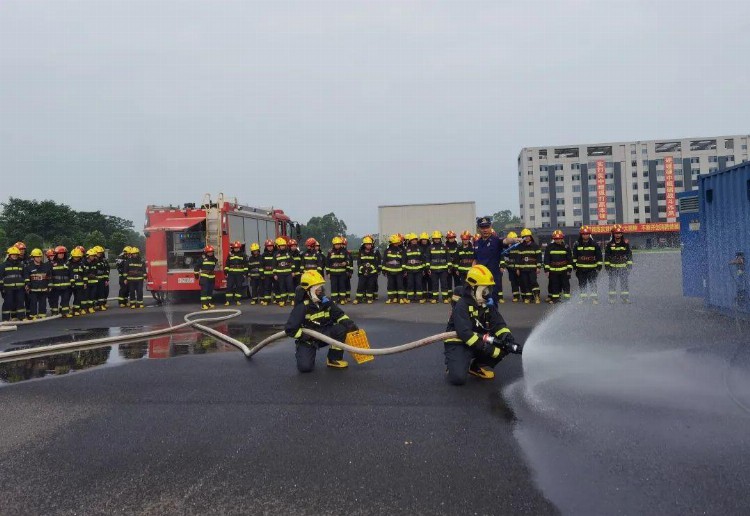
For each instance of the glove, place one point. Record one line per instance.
(509, 344)
(486, 344)
(325, 301)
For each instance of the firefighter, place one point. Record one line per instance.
(205, 273)
(618, 260)
(50, 254)
(60, 288)
(393, 270)
(349, 272)
(235, 268)
(489, 249)
(121, 264)
(283, 266)
(312, 258)
(135, 274)
(13, 283)
(314, 310)
(424, 246)
(37, 275)
(267, 263)
(102, 286)
(78, 281)
(510, 264)
(483, 338)
(529, 266)
(255, 273)
(337, 263)
(558, 264)
(297, 258)
(587, 262)
(452, 246)
(91, 280)
(465, 257)
(368, 271)
(415, 263)
(437, 268)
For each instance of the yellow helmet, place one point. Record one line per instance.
(311, 278)
(424, 236)
(479, 276)
(437, 234)
(254, 246)
(525, 232)
(336, 240)
(134, 250)
(76, 253)
(280, 241)
(36, 252)
(126, 249)
(395, 239)
(512, 234)
(13, 250)
(368, 240)
(91, 252)
(99, 249)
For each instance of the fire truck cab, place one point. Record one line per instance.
(175, 238)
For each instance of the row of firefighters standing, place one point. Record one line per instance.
(74, 283)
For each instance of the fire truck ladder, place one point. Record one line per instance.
(213, 224)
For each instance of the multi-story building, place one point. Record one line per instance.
(620, 182)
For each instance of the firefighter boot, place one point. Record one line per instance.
(337, 364)
(537, 299)
(483, 372)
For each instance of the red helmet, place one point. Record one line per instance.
(466, 235)
(61, 249)
(236, 245)
(450, 234)
(343, 240)
(268, 243)
(557, 234)
(81, 248)
(292, 242)
(20, 245)
(585, 230)
(617, 228)
(310, 242)
(208, 249)
(50, 253)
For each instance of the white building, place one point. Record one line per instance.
(455, 216)
(558, 185)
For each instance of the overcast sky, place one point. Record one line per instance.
(316, 107)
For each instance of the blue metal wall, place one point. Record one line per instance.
(692, 245)
(725, 224)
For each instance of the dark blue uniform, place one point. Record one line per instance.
(489, 252)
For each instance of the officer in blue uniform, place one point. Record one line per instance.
(489, 252)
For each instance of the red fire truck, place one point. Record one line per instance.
(175, 238)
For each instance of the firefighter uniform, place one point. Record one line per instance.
(393, 269)
(235, 268)
(91, 280)
(511, 258)
(337, 264)
(205, 271)
(529, 265)
(452, 246)
(121, 265)
(102, 286)
(437, 265)
(255, 274)
(424, 246)
(60, 289)
(465, 258)
(135, 274)
(587, 262)
(618, 260)
(323, 316)
(558, 263)
(313, 260)
(368, 270)
(283, 266)
(13, 285)
(414, 266)
(38, 276)
(297, 258)
(267, 262)
(77, 282)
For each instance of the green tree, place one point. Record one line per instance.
(504, 220)
(32, 241)
(117, 240)
(324, 228)
(93, 238)
(3, 240)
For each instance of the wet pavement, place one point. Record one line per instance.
(614, 409)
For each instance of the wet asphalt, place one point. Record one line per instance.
(617, 409)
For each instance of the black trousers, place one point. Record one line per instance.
(79, 297)
(59, 299)
(286, 287)
(366, 287)
(338, 286)
(414, 285)
(207, 291)
(38, 302)
(426, 285)
(235, 284)
(102, 292)
(587, 283)
(91, 295)
(515, 284)
(307, 347)
(621, 276)
(439, 283)
(135, 292)
(529, 283)
(122, 293)
(459, 358)
(267, 294)
(14, 303)
(255, 284)
(395, 285)
(559, 285)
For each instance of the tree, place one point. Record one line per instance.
(93, 238)
(33, 241)
(3, 240)
(116, 242)
(504, 220)
(324, 228)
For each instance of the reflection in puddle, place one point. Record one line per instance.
(164, 346)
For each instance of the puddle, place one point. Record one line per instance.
(161, 347)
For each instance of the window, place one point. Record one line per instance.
(560, 223)
(558, 166)
(610, 188)
(542, 153)
(634, 163)
(645, 173)
(592, 188)
(679, 184)
(530, 173)
(644, 150)
(659, 162)
(609, 176)
(545, 189)
(545, 214)
(634, 174)
(637, 220)
(592, 200)
(531, 193)
(576, 188)
(713, 159)
(576, 200)
(635, 186)
(646, 197)
(592, 177)
(702, 145)
(604, 150)
(560, 189)
(660, 184)
(713, 169)
(647, 209)
(560, 213)
(636, 210)
(730, 157)
(531, 183)
(662, 209)
(560, 202)
(545, 202)
(577, 212)
(695, 160)
(592, 211)
(542, 168)
(531, 159)
(744, 146)
(648, 219)
(544, 179)
(610, 211)
(610, 198)
(645, 185)
(645, 163)
(532, 217)
(635, 197)
(729, 143)
(668, 147)
(559, 179)
(575, 166)
(531, 206)
(661, 197)
(576, 177)
(545, 224)
(632, 149)
(695, 171)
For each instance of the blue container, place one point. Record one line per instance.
(692, 245)
(725, 224)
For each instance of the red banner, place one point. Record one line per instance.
(653, 227)
(601, 190)
(669, 187)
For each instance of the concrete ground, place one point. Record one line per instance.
(633, 409)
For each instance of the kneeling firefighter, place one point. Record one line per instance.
(315, 311)
(483, 338)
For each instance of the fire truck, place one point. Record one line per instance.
(175, 238)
